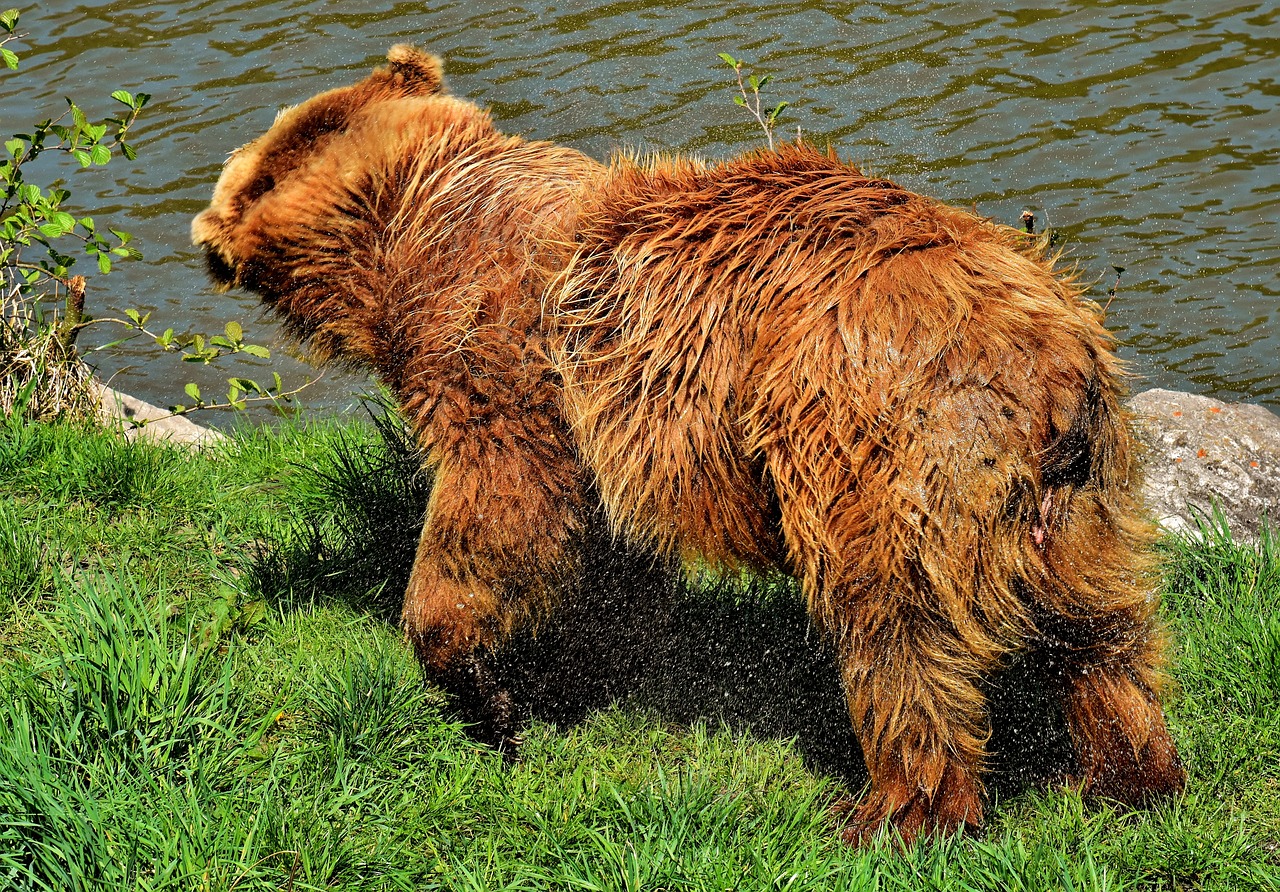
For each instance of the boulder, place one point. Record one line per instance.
(1203, 453)
(141, 419)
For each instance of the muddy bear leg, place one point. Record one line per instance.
(499, 543)
(453, 623)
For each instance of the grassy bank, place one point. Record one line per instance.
(201, 689)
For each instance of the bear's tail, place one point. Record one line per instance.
(1089, 566)
(1094, 453)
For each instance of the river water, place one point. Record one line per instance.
(1147, 134)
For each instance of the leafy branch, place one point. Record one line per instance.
(39, 348)
(237, 397)
(750, 99)
(197, 348)
(30, 215)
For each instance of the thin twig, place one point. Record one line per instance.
(1115, 286)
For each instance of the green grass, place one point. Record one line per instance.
(202, 687)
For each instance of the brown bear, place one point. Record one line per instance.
(771, 362)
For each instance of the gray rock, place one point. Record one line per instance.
(141, 419)
(1202, 452)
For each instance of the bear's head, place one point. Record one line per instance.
(289, 186)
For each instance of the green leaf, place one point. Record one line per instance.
(128, 152)
(235, 333)
(754, 83)
(63, 219)
(51, 230)
(728, 60)
(255, 350)
(100, 154)
(764, 80)
(738, 100)
(123, 96)
(77, 116)
(9, 19)
(248, 385)
(133, 315)
(83, 157)
(10, 57)
(104, 262)
(193, 391)
(14, 147)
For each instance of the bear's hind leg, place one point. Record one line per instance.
(1123, 747)
(1096, 619)
(890, 558)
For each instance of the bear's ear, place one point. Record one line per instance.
(419, 71)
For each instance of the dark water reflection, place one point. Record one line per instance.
(1146, 133)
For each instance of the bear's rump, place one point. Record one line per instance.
(725, 328)
(892, 387)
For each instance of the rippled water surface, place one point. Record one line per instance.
(1147, 134)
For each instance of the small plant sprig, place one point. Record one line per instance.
(749, 96)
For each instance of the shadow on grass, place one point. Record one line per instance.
(741, 651)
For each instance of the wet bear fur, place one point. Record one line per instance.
(773, 361)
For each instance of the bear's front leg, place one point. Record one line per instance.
(453, 623)
(498, 545)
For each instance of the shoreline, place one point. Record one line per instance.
(1200, 454)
